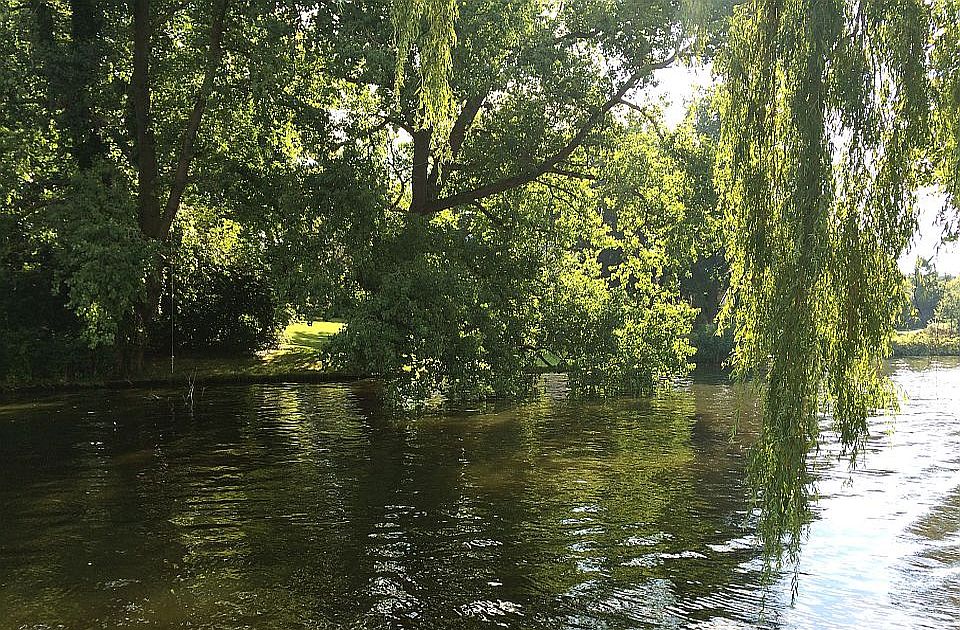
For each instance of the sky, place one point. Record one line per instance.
(675, 87)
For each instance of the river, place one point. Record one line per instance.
(308, 506)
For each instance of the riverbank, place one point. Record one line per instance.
(933, 341)
(296, 359)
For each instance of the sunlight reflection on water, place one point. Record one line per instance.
(884, 551)
(305, 506)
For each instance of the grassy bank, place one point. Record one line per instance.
(932, 341)
(296, 358)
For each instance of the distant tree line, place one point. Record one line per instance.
(933, 298)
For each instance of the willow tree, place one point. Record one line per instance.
(430, 25)
(945, 73)
(826, 117)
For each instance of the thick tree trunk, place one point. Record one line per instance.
(156, 219)
(70, 72)
(85, 30)
(188, 141)
(426, 199)
(148, 202)
(421, 196)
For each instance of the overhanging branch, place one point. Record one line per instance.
(508, 183)
(214, 55)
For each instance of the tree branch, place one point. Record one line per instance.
(402, 124)
(646, 113)
(496, 220)
(572, 174)
(214, 55)
(458, 134)
(507, 183)
(421, 181)
(462, 124)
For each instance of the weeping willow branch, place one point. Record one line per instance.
(424, 35)
(946, 72)
(824, 114)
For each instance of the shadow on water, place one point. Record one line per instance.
(306, 506)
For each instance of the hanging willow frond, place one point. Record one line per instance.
(825, 114)
(424, 34)
(945, 59)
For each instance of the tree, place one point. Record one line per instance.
(825, 119)
(108, 146)
(469, 301)
(515, 181)
(948, 311)
(97, 134)
(945, 79)
(927, 288)
(528, 88)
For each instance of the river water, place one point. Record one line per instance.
(307, 506)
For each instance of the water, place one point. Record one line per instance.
(305, 506)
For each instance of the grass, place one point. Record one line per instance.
(936, 340)
(300, 345)
(297, 357)
(298, 353)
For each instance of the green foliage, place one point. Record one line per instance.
(298, 194)
(926, 288)
(222, 296)
(457, 300)
(713, 344)
(440, 310)
(825, 114)
(945, 71)
(615, 341)
(948, 310)
(430, 24)
(584, 269)
(103, 261)
(71, 154)
(933, 341)
(39, 335)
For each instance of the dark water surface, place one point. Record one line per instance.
(305, 506)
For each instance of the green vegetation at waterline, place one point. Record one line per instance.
(929, 324)
(298, 356)
(935, 340)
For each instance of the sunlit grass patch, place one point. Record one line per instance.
(934, 340)
(301, 344)
(309, 335)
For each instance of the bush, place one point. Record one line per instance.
(222, 297)
(40, 336)
(712, 350)
(222, 308)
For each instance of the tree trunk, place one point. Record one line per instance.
(70, 72)
(85, 27)
(421, 194)
(148, 203)
(156, 219)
